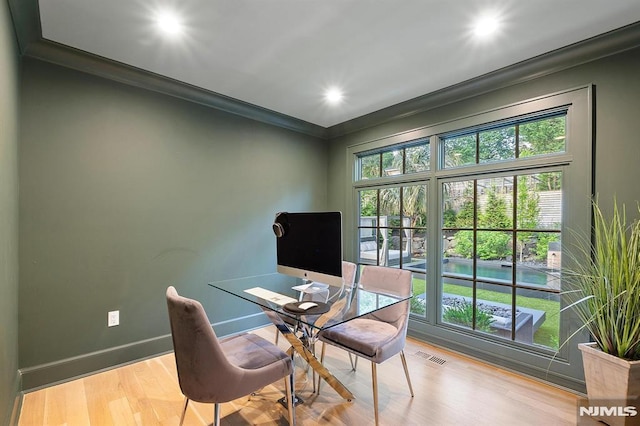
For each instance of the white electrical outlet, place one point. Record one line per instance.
(113, 318)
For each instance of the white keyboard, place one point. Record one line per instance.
(271, 296)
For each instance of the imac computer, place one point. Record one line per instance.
(309, 246)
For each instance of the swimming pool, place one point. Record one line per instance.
(494, 271)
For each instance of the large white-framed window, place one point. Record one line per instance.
(483, 222)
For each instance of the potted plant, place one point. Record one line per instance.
(604, 292)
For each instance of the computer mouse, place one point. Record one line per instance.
(307, 305)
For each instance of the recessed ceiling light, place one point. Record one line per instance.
(334, 95)
(169, 23)
(486, 25)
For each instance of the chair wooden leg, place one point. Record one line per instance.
(374, 378)
(291, 398)
(184, 410)
(406, 371)
(216, 414)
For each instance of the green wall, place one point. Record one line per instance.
(616, 160)
(123, 192)
(9, 83)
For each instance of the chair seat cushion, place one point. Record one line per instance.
(362, 335)
(251, 352)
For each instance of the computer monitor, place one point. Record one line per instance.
(309, 246)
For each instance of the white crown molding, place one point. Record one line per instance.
(86, 62)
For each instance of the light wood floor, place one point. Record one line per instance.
(449, 390)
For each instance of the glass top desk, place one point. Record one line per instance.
(348, 304)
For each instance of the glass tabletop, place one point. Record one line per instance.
(348, 303)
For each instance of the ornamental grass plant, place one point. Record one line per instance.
(604, 283)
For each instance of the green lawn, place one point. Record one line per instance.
(546, 335)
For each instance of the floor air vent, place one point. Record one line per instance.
(437, 360)
(432, 358)
(423, 355)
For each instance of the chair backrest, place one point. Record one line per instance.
(392, 281)
(349, 278)
(203, 368)
(348, 273)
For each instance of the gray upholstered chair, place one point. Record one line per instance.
(380, 335)
(217, 371)
(348, 276)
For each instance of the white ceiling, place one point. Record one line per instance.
(282, 54)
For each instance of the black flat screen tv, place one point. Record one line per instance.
(309, 246)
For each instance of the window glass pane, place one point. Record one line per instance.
(419, 300)
(389, 245)
(456, 267)
(529, 216)
(369, 203)
(539, 209)
(550, 249)
(457, 246)
(390, 204)
(541, 137)
(459, 151)
(491, 312)
(370, 166)
(368, 246)
(392, 163)
(494, 302)
(418, 261)
(418, 158)
(414, 200)
(549, 181)
(495, 206)
(458, 206)
(414, 223)
(540, 201)
(458, 309)
(449, 204)
(494, 246)
(494, 270)
(497, 144)
(542, 275)
(543, 318)
(368, 227)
